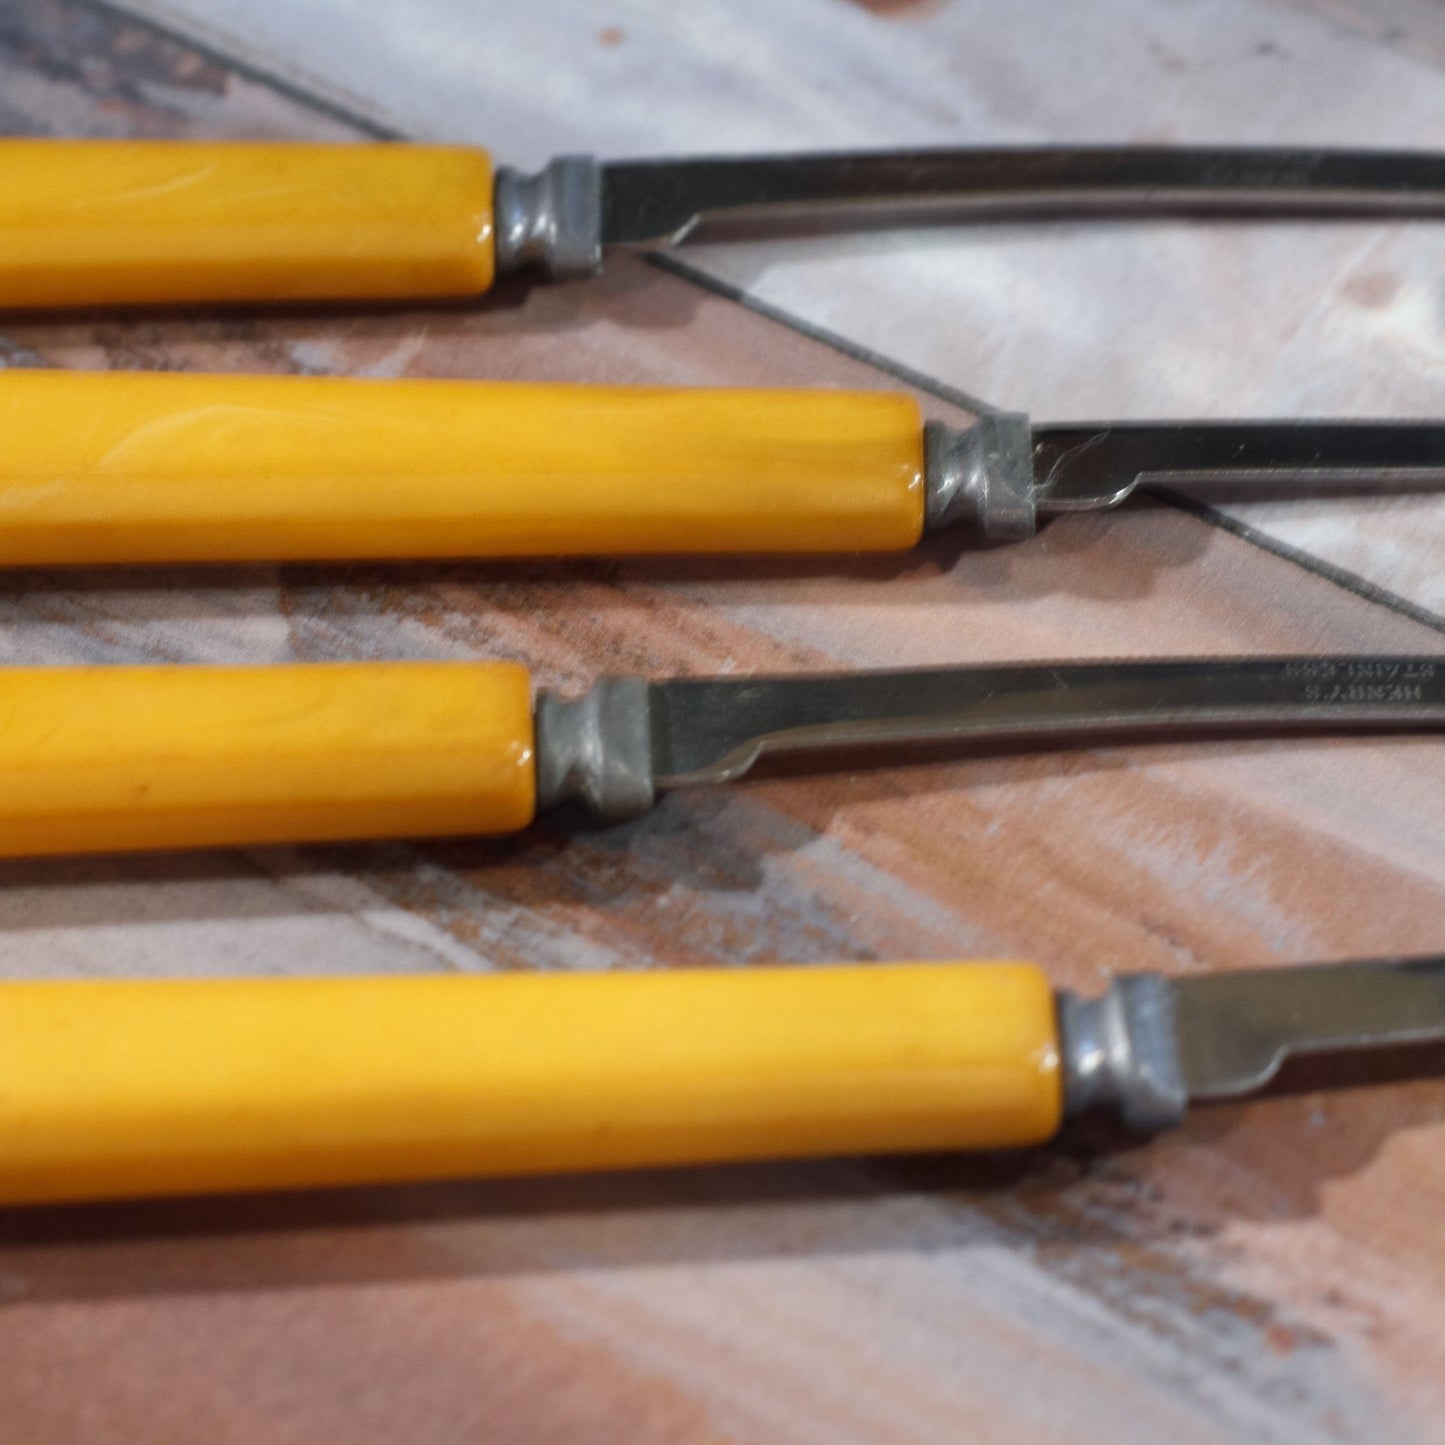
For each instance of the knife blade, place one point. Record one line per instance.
(1002, 476)
(107, 222)
(154, 1087)
(116, 758)
(662, 202)
(620, 745)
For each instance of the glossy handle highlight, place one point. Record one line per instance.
(110, 758)
(129, 467)
(124, 222)
(143, 1088)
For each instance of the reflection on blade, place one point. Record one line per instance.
(1236, 1029)
(1081, 467)
(654, 202)
(711, 730)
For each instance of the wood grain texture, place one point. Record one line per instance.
(1272, 1272)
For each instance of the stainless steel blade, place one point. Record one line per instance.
(620, 743)
(1084, 466)
(1236, 1029)
(658, 202)
(712, 730)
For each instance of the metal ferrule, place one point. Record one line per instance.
(551, 220)
(1121, 1052)
(597, 748)
(981, 476)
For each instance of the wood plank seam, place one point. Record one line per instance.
(1340, 576)
(909, 376)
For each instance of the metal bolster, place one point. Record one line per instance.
(597, 748)
(552, 220)
(1121, 1052)
(981, 476)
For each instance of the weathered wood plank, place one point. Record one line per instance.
(1414, 27)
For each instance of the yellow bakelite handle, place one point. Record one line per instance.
(134, 1088)
(128, 467)
(112, 222)
(94, 759)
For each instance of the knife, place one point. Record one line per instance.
(131, 467)
(103, 222)
(115, 758)
(158, 1087)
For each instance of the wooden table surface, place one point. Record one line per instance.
(1275, 1270)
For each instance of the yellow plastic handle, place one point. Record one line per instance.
(102, 758)
(111, 222)
(111, 1089)
(133, 467)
